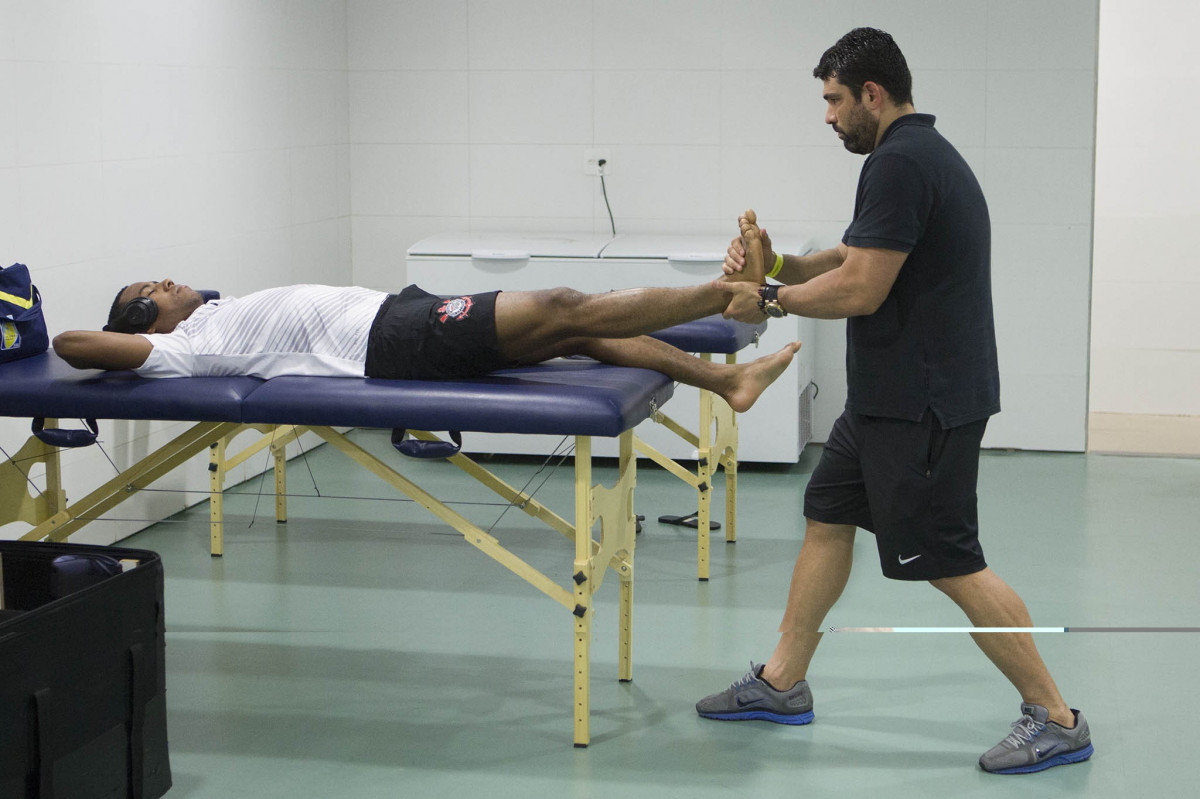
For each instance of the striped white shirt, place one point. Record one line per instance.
(292, 330)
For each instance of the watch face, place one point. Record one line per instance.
(774, 309)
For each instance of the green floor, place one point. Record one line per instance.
(364, 650)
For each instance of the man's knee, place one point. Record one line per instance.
(821, 539)
(563, 300)
(947, 585)
(957, 585)
(829, 532)
(562, 312)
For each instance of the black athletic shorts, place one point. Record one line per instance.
(420, 336)
(912, 484)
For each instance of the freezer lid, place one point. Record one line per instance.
(688, 247)
(502, 245)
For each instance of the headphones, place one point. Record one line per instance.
(135, 315)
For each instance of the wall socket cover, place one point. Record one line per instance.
(591, 161)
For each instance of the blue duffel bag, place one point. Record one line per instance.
(22, 326)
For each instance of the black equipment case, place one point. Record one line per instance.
(82, 673)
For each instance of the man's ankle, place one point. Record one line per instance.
(778, 681)
(1072, 719)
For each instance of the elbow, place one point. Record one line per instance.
(865, 297)
(68, 347)
(855, 296)
(865, 305)
(63, 346)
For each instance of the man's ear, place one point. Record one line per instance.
(872, 95)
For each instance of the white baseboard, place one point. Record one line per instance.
(1143, 434)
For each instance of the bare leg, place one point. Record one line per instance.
(533, 326)
(740, 384)
(818, 579)
(988, 601)
(530, 322)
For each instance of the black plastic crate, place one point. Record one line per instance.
(82, 673)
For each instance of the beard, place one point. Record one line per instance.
(861, 129)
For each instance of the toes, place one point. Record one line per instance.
(749, 225)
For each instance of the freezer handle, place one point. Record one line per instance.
(697, 257)
(500, 255)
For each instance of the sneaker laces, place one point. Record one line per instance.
(748, 678)
(1025, 730)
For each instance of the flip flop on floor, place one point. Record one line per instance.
(692, 520)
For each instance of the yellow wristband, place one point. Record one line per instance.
(778, 265)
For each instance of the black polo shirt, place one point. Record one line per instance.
(932, 344)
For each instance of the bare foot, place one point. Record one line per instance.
(754, 377)
(755, 270)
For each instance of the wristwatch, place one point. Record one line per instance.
(768, 301)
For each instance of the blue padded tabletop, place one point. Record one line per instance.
(712, 334)
(560, 398)
(45, 385)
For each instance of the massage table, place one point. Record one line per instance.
(715, 440)
(582, 399)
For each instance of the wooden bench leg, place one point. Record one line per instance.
(216, 498)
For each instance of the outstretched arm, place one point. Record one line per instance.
(855, 288)
(803, 268)
(90, 349)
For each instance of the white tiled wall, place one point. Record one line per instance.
(205, 140)
(470, 115)
(244, 143)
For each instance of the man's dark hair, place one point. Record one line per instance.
(867, 54)
(116, 319)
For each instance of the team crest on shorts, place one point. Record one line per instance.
(457, 308)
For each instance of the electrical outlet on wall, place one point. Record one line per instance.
(592, 158)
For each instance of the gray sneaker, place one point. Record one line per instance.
(751, 698)
(1036, 743)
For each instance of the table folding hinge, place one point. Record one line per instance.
(655, 413)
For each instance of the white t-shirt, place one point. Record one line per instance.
(292, 330)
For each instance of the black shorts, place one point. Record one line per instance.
(420, 336)
(912, 484)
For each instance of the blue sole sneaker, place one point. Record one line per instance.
(1036, 744)
(751, 698)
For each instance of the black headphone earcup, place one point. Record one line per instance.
(139, 313)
